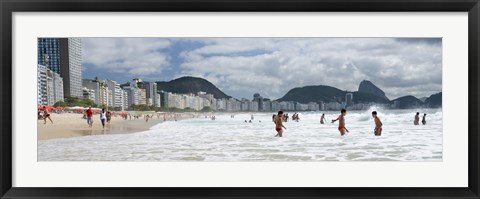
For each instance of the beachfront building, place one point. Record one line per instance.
(91, 84)
(157, 101)
(142, 97)
(208, 100)
(101, 90)
(287, 106)
(117, 94)
(221, 104)
(300, 107)
(245, 104)
(213, 104)
(275, 106)
(266, 105)
(348, 99)
(233, 105)
(88, 94)
(130, 95)
(321, 106)
(41, 85)
(125, 100)
(103, 93)
(237, 105)
(312, 106)
(64, 57)
(176, 101)
(258, 99)
(55, 84)
(163, 98)
(150, 91)
(133, 95)
(333, 106)
(49, 85)
(253, 106)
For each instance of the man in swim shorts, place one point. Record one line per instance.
(378, 124)
(341, 123)
(46, 115)
(279, 124)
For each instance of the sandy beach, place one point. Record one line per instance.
(67, 125)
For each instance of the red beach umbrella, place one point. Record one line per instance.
(49, 108)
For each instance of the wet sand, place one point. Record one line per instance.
(68, 125)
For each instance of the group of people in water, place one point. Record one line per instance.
(279, 119)
(377, 131)
(417, 119)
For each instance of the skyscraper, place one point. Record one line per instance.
(348, 99)
(63, 56)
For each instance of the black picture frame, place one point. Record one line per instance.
(7, 7)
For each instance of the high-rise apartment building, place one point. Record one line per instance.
(63, 56)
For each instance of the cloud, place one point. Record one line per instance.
(132, 56)
(272, 66)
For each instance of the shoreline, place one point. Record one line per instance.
(68, 125)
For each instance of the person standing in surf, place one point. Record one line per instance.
(322, 118)
(279, 124)
(417, 119)
(424, 121)
(341, 123)
(378, 124)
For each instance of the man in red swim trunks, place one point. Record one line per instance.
(279, 124)
(341, 123)
(378, 124)
(89, 114)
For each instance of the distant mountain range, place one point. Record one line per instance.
(367, 93)
(327, 93)
(191, 85)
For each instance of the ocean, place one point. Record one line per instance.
(231, 139)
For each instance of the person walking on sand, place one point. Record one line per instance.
(341, 123)
(378, 124)
(322, 118)
(103, 117)
(417, 119)
(109, 116)
(279, 124)
(89, 114)
(46, 115)
(424, 121)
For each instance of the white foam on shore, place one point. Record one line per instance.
(231, 139)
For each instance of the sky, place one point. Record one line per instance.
(271, 67)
